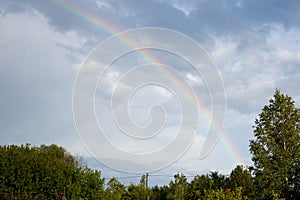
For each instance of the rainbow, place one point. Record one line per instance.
(110, 29)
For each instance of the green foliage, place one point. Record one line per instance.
(240, 177)
(218, 181)
(224, 194)
(45, 172)
(213, 185)
(276, 149)
(138, 192)
(114, 190)
(178, 188)
(198, 187)
(160, 193)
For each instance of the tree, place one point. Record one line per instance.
(138, 192)
(159, 192)
(218, 180)
(224, 194)
(45, 172)
(198, 187)
(240, 177)
(91, 184)
(178, 188)
(114, 190)
(276, 149)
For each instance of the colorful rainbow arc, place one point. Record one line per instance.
(108, 28)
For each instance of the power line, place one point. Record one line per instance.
(153, 175)
(124, 177)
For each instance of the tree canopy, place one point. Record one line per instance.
(276, 149)
(46, 172)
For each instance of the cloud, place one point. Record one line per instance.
(255, 45)
(288, 56)
(184, 6)
(253, 69)
(103, 4)
(36, 81)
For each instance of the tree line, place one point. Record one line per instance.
(50, 172)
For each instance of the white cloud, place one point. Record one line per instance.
(288, 56)
(103, 4)
(284, 45)
(185, 8)
(252, 71)
(193, 78)
(224, 50)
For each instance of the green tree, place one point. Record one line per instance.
(91, 184)
(276, 149)
(178, 189)
(138, 192)
(114, 190)
(159, 192)
(240, 177)
(224, 194)
(45, 172)
(218, 180)
(198, 187)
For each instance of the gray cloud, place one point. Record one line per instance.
(254, 43)
(36, 83)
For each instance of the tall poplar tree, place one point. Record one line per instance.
(276, 149)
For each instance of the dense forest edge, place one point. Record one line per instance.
(50, 172)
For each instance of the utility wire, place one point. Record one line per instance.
(153, 175)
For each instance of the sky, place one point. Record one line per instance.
(51, 51)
